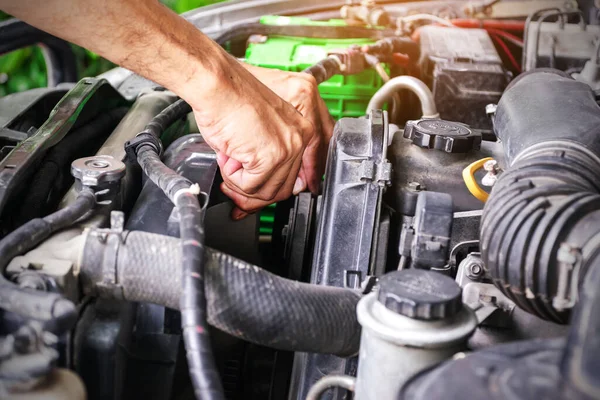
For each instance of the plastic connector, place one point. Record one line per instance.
(142, 139)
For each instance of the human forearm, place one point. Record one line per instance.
(260, 138)
(143, 36)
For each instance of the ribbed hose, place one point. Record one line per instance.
(388, 46)
(202, 368)
(242, 299)
(56, 312)
(324, 69)
(548, 198)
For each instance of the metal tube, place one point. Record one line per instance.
(328, 382)
(387, 91)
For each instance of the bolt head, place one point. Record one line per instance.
(475, 269)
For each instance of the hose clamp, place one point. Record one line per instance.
(142, 139)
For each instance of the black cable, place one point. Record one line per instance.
(202, 368)
(57, 312)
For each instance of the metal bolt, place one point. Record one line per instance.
(416, 186)
(475, 271)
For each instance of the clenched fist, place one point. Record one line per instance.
(270, 133)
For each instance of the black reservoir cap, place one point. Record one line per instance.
(420, 294)
(448, 136)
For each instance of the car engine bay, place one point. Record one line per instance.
(450, 253)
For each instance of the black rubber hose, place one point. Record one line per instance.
(388, 46)
(57, 312)
(242, 299)
(166, 118)
(324, 69)
(202, 368)
(548, 197)
(15, 34)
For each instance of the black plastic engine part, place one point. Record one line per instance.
(464, 70)
(417, 169)
(347, 235)
(448, 136)
(426, 242)
(540, 224)
(19, 112)
(85, 101)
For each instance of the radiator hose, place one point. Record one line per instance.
(242, 299)
(540, 227)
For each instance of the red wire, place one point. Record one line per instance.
(507, 25)
(509, 36)
(506, 50)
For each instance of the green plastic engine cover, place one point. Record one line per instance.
(345, 96)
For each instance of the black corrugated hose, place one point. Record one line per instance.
(243, 299)
(202, 368)
(56, 312)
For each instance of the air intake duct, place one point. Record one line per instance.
(540, 227)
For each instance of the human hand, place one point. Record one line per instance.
(300, 90)
(260, 139)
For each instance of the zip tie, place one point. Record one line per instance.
(194, 190)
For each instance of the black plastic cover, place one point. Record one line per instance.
(420, 294)
(348, 231)
(464, 70)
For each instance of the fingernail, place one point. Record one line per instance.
(237, 214)
(299, 186)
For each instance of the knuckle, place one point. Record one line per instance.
(279, 154)
(312, 81)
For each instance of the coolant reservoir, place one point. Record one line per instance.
(414, 321)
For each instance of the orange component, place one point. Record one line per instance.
(400, 59)
(508, 25)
